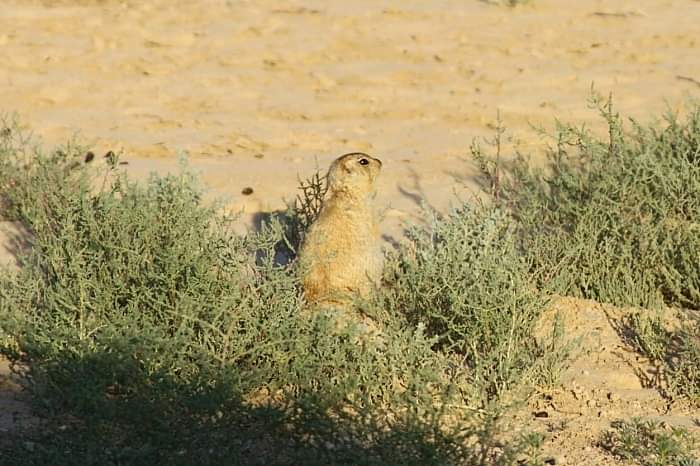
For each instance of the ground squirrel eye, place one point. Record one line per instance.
(364, 161)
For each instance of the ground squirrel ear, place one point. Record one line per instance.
(337, 170)
(333, 178)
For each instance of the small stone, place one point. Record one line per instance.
(247, 191)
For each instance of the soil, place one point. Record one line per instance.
(606, 381)
(261, 93)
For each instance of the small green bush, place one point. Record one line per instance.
(649, 443)
(616, 220)
(464, 278)
(613, 220)
(677, 352)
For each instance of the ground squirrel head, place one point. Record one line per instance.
(354, 175)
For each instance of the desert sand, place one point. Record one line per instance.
(261, 93)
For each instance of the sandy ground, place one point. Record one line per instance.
(260, 93)
(606, 382)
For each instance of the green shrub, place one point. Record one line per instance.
(616, 220)
(649, 443)
(464, 278)
(613, 220)
(151, 334)
(677, 352)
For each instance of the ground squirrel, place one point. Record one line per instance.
(341, 254)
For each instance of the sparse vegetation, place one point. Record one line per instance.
(675, 351)
(463, 277)
(613, 220)
(649, 443)
(616, 220)
(151, 334)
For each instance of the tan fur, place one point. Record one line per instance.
(341, 254)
